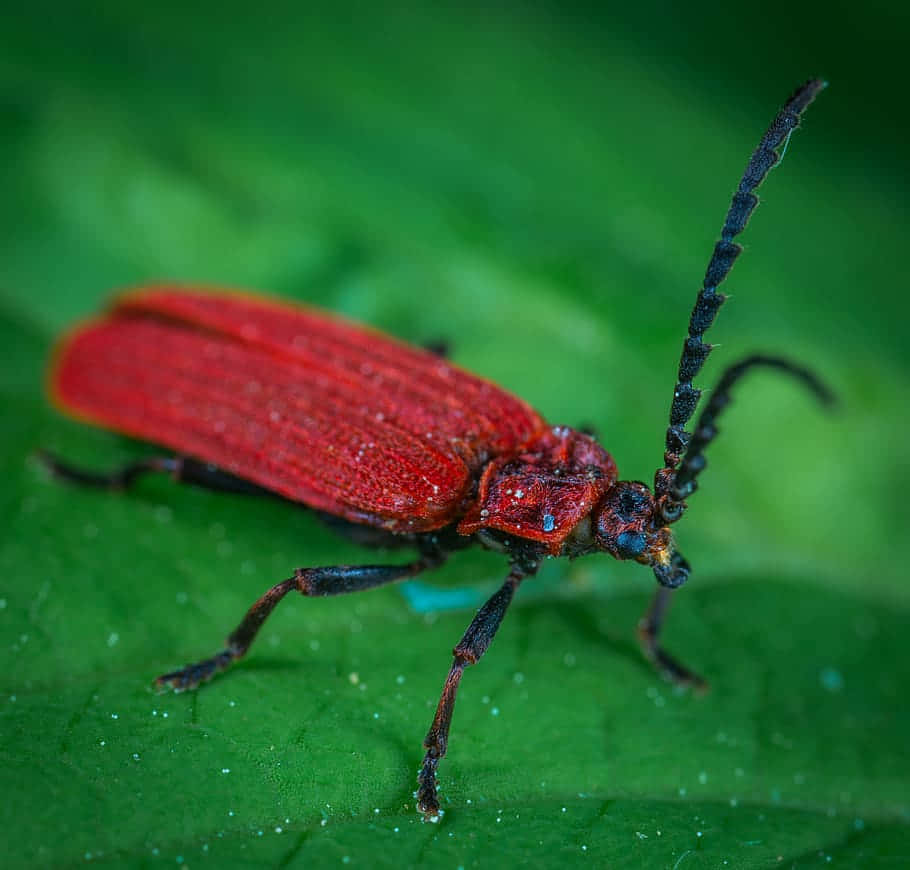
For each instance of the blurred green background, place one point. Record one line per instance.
(540, 185)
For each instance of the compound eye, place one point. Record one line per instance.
(671, 511)
(630, 545)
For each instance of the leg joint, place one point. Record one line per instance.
(303, 581)
(464, 656)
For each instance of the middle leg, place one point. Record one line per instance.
(313, 582)
(468, 652)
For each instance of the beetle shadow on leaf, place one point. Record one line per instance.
(611, 627)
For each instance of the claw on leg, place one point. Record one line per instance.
(192, 676)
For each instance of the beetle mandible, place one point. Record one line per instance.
(394, 445)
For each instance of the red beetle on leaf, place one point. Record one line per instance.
(394, 443)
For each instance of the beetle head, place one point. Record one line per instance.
(628, 526)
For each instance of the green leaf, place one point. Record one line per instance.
(540, 193)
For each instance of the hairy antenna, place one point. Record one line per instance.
(695, 351)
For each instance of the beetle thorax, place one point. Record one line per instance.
(545, 492)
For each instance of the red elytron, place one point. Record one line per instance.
(393, 443)
(337, 416)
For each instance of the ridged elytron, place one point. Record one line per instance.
(394, 444)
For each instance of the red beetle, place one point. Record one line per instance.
(394, 444)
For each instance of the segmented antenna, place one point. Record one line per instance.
(695, 351)
(684, 483)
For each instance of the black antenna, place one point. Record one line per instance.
(684, 483)
(695, 351)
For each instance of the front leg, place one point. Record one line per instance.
(649, 637)
(468, 652)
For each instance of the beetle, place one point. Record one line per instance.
(395, 445)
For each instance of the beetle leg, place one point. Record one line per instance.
(648, 636)
(314, 582)
(181, 468)
(470, 648)
(440, 348)
(122, 478)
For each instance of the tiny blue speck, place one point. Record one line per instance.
(549, 522)
(831, 679)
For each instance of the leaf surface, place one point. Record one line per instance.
(544, 201)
